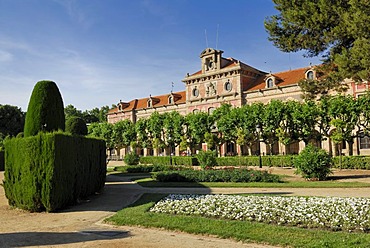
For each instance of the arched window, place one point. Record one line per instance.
(170, 100)
(195, 111)
(150, 103)
(210, 110)
(269, 83)
(310, 75)
(228, 86)
(195, 92)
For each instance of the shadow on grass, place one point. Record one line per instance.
(341, 177)
(22, 239)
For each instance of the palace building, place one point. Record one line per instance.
(226, 80)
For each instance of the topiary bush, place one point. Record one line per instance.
(206, 159)
(313, 163)
(76, 126)
(131, 159)
(50, 171)
(45, 109)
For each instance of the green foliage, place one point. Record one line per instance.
(313, 163)
(352, 162)
(52, 170)
(11, 120)
(123, 133)
(149, 168)
(76, 126)
(165, 160)
(229, 175)
(197, 125)
(131, 158)
(2, 160)
(206, 159)
(337, 30)
(89, 116)
(103, 131)
(271, 161)
(45, 109)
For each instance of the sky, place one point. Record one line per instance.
(102, 51)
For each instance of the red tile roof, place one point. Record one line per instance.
(157, 101)
(282, 78)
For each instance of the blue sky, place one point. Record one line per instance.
(103, 51)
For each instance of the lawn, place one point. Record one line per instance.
(138, 214)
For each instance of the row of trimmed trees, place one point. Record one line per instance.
(341, 118)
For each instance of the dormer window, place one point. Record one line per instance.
(150, 103)
(170, 100)
(270, 82)
(310, 75)
(119, 107)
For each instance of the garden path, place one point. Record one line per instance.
(81, 225)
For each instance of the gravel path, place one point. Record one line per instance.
(81, 225)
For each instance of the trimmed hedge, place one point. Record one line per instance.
(52, 170)
(348, 162)
(2, 161)
(165, 160)
(237, 175)
(149, 168)
(271, 161)
(352, 162)
(45, 110)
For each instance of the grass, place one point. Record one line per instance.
(138, 215)
(149, 182)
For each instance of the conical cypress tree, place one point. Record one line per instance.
(45, 109)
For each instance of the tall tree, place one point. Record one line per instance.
(336, 30)
(11, 120)
(345, 115)
(197, 125)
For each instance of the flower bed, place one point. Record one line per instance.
(335, 213)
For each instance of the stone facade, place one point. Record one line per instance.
(227, 80)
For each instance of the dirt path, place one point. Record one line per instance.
(81, 225)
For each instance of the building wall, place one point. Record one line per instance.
(210, 83)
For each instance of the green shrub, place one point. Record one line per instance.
(2, 161)
(352, 162)
(161, 160)
(45, 109)
(229, 175)
(150, 168)
(206, 159)
(271, 161)
(131, 158)
(76, 126)
(52, 170)
(165, 160)
(313, 163)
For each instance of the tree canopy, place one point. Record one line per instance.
(336, 30)
(11, 120)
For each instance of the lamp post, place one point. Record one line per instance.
(259, 129)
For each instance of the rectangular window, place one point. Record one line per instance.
(364, 142)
